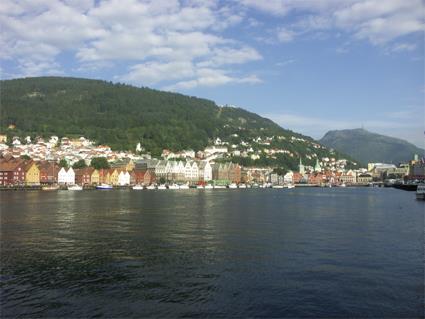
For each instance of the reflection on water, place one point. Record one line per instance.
(271, 253)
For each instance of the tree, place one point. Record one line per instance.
(25, 157)
(99, 162)
(63, 163)
(80, 164)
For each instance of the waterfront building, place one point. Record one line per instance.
(348, 177)
(123, 178)
(66, 176)
(364, 178)
(113, 176)
(32, 174)
(12, 172)
(83, 175)
(48, 172)
(205, 171)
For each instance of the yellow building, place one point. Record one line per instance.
(32, 174)
(95, 177)
(113, 177)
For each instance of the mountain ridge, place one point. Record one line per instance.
(369, 147)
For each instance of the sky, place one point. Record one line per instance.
(309, 65)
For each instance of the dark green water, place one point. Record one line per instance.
(219, 253)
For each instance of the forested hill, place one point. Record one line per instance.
(370, 147)
(121, 116)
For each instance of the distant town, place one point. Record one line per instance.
(64, 162)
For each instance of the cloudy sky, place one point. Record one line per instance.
(310, 65)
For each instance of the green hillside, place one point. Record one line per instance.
(370, 147)
(121, 116)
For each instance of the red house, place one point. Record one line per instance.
(48, 172)
(145, 177)
(12, 172)
(83, 175)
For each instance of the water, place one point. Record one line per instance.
(220, 253)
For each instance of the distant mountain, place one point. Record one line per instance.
(122, 115)
(368, 147)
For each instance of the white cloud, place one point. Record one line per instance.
(378, 21)
(207, 77)
(285, 35)
(159, 39)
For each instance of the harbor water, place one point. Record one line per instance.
(303, 252)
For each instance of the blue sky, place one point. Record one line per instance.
(309, 65)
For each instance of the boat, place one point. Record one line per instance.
(138, 187)
(218, 187)
(255, 185)
(278, 186)
(290, 186)
(184, 186)
(173, 186)
(75, 188)
(233, 186)
(420, 192)
(162, 186)
(199, 187)
(343, 185)
(50, 188)
(104, 186)
(242, 186)
(151, 187)
(209, 186)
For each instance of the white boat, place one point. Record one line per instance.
(184, 186)
(138, 187)
(151, 187)
(173, 186)
(162, 186)
(278, 186)
(420, 192)
(199, 187)
(50, 188)
(290, 186)
(104, 186)
(242, 186)
(75, 188)
(209, 186)
(218, 187)
(343, 185)
(233, 186)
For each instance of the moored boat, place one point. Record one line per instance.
(75, 188)
(162, 186)
(420, 192)
(209, 186)
(151, 187)
(290, 186)
(233, 186)
(184, 186)
(138, 187)
(50, 188)
(242, 186)
(277, 186)
(199, 187)
(104, 186)
(218, 187)
(173, 186)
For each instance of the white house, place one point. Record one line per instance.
(205, 171)
(66, 177)
(123, 178)
(288, 178)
